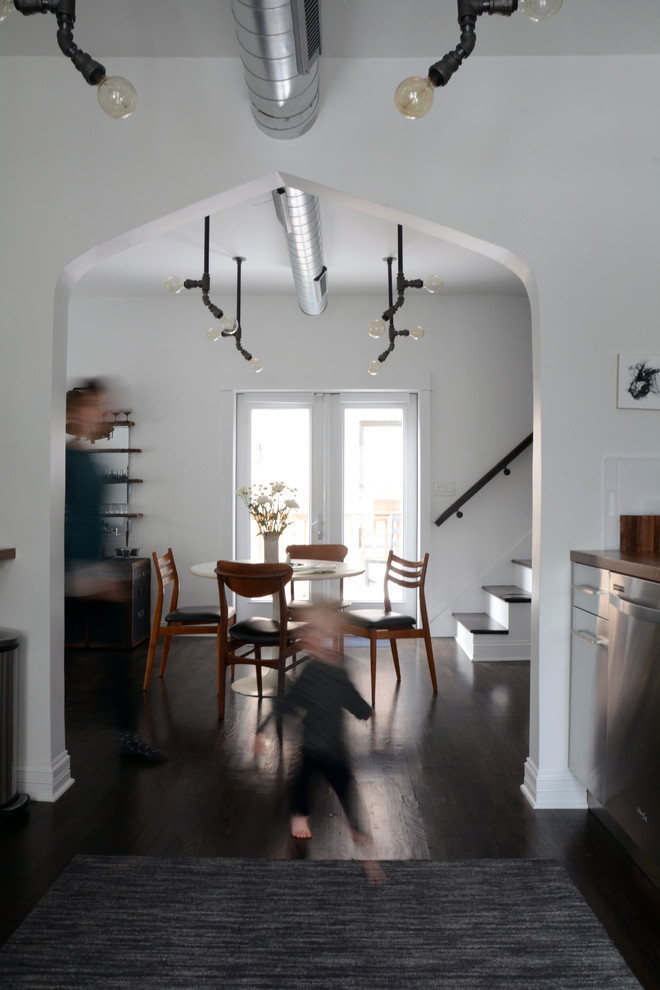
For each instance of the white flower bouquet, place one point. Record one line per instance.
(269, 505)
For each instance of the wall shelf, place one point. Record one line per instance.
(122, 515)
(116, 450)
(116, 472)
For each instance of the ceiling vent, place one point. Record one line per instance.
(306, 16)
(280, 42)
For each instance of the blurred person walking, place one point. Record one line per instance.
(87, 575)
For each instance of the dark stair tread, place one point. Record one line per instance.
(479, 622)
(509, 593)
(524, 562)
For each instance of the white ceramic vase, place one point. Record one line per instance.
(271, 547)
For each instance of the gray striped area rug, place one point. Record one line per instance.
(135, 922)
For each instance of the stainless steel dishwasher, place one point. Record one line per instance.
(632, 776)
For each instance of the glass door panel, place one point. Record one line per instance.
(352, 459)
(276, 436)
(373, 494)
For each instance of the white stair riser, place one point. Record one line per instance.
(515, 616)
(503, 648)
(465, 640)
(523, 577)
(489, 647)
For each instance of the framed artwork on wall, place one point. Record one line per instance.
(638, 382)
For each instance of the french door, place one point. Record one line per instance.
(352, 460)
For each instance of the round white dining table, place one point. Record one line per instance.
(303, 570)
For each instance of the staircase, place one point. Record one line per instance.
(504, 631)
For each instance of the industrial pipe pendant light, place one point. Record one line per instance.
(414, 96)
(376, 329)
(230, 326)
(116, 95)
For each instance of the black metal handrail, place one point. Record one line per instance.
(502, 465)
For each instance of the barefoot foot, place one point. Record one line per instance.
(360, 838)
(300, 827)
(374, 872)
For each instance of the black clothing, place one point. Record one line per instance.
(323, 691)
(82, 548)
(338, 774)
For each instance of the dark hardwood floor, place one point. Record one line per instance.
(439, 778)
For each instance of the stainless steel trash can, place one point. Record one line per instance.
(10, 799)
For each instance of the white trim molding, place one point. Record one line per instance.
(552, 788)
(43, 781)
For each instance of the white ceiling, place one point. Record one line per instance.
(354, 246)
(350, 29)
(354, 243)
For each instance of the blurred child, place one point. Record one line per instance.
(323, 692)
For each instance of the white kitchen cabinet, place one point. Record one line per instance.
(589, 659)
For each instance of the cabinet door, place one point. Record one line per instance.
(121, 625)
(588, 712)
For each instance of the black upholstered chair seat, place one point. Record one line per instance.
(195, 613)
(264, 632)
(180, 620)
(378, 618)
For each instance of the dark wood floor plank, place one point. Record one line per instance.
(439, 777)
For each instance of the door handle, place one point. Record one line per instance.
(637, 611)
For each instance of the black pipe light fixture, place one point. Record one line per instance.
(229, 326)
(376, 329)
(116, 95)
(414, 96)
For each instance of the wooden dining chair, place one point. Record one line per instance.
(316, 551)
(255, 581)
(376, 624)
(188, 620)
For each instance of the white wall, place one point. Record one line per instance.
(545, 157)
(476, 359)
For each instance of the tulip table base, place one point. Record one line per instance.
(248, 685)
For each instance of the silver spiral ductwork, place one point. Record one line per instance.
(300, 216)
(280, 42)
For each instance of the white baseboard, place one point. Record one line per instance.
(45, 781)
(552, 788)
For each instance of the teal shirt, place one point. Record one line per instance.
(84, 495)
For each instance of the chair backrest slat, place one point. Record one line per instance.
(253, 580)
(166, 573)
(317, 551)
(405, 574)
